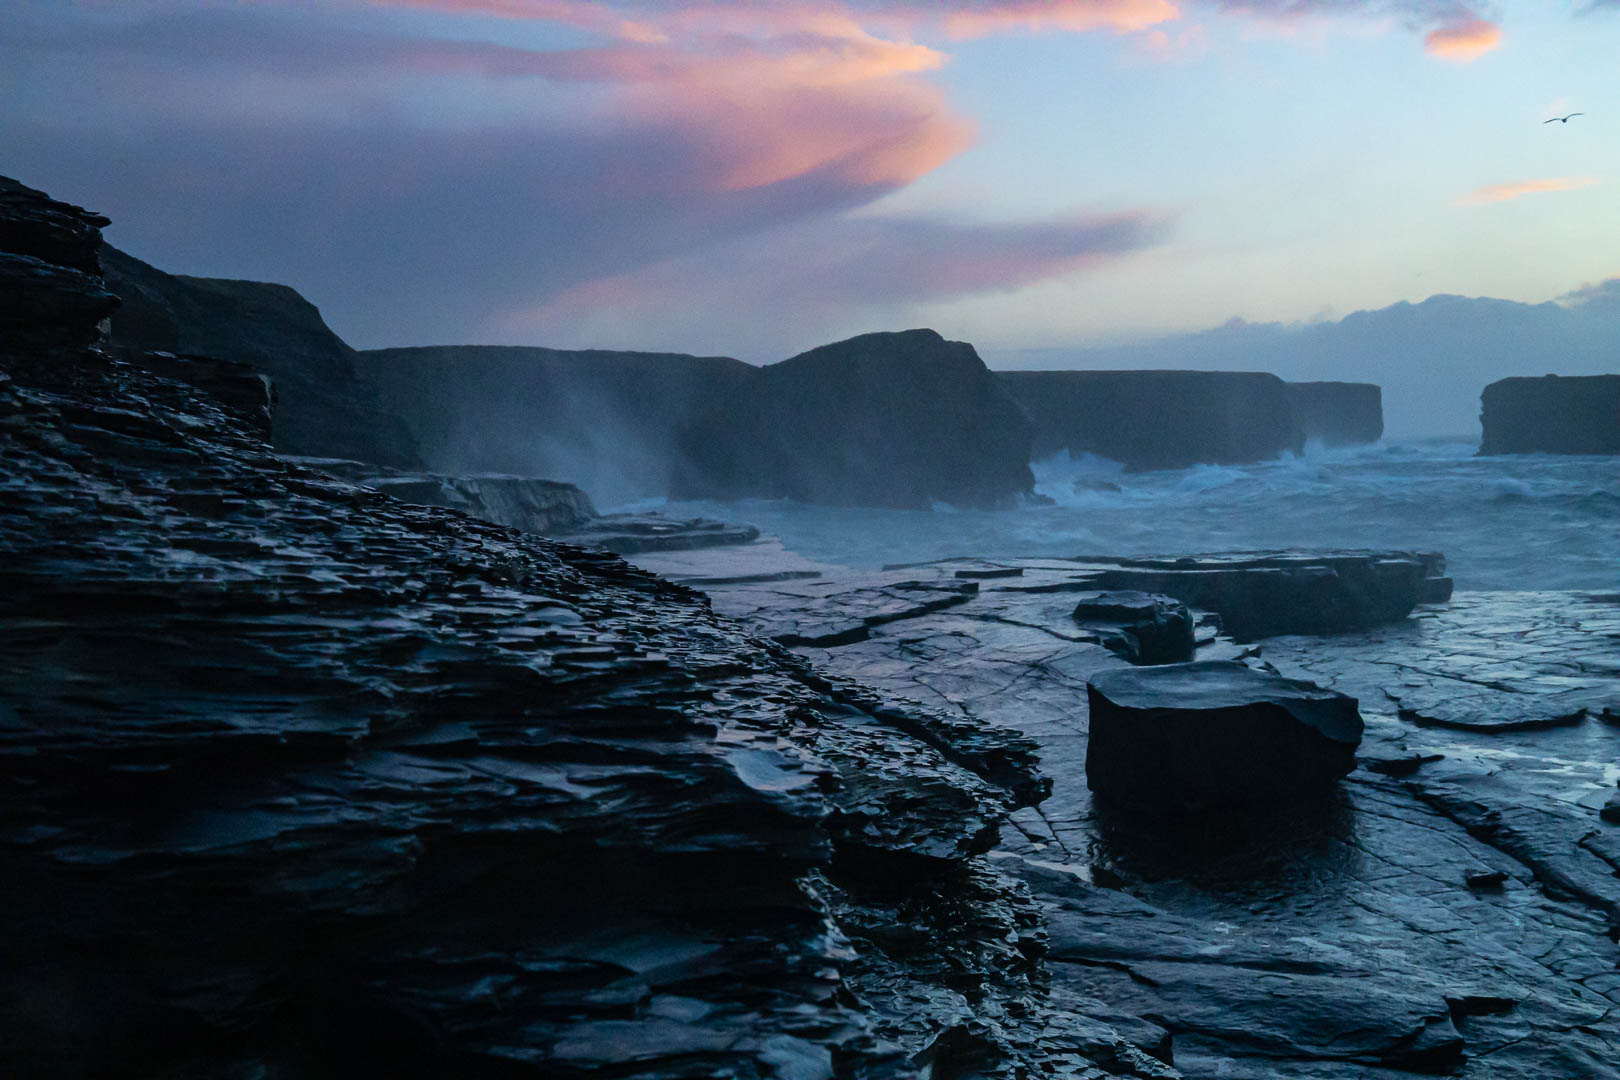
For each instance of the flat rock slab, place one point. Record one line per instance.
(627, 534)
(1150, 629)
(1217, 732)
(1267, 593)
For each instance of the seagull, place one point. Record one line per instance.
(1562, 119)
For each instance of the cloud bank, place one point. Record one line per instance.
(427, 179)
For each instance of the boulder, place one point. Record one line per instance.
(323, 409)
(1338, 413)
(1553, 414)
(1215, 733)
(902, 419)
(606, 421)
(1141, 627)
(1159, 419)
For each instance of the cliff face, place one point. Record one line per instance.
(607, 421)
(325, 411)
(881, 420)
(1159, 419)
(1338, 413)
(51, 291)
(895, 419)
(1553, 414)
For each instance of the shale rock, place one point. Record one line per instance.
(301, 780)
(1261, 594)
(895, 419)
(1159, 419)
(1553, 414)
(1215, 733)
(51, 291)
(1150, 629)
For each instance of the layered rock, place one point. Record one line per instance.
(1338, 413)
(1553, 414)
(1181, 737)
(303, 780)
(324, 410)
(1266, 951)
(609, 422)
(1141, 627)
(1261, 594)
(1159, 419)
(892, 419)
(52, 295)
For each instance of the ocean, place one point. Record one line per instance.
(1521, 522)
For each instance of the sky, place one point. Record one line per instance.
(755, 178)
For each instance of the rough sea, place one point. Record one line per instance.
(1538, 522)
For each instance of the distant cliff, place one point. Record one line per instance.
(1159, 419)
(324, 411)
(1552, 414)
(607, 421)
(881, 420)
(1338, 413)
(892, 419)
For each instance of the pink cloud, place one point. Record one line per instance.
(817, 281)
(1495, 193)
(1464, 40)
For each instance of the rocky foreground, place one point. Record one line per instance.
(1451, 908)
(301, 780)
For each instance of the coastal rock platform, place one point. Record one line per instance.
(1452, 908)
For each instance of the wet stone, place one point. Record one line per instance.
(1214, 733)
(1140, 627)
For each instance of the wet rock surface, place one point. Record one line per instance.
(1261, 594)
(1186, 737)
(1449, 908)
(1141, 627)
(397, 786)
(51, 291)
(301, 780)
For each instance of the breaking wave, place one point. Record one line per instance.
(1518, 522)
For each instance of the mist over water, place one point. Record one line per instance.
(1516, 522)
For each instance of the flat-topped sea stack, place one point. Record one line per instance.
(607, 421)
(1552, 414)
(1159, 419)
(903, 419)
(323, 410)
(1338, 413)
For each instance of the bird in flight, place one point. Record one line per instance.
(1562, 119)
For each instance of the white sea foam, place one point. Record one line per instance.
(1532, 521)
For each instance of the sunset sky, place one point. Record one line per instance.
(754, 178)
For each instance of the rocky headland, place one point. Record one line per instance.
(271, 329)
(1552, 414)
(1159, 419)
(897, 419)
